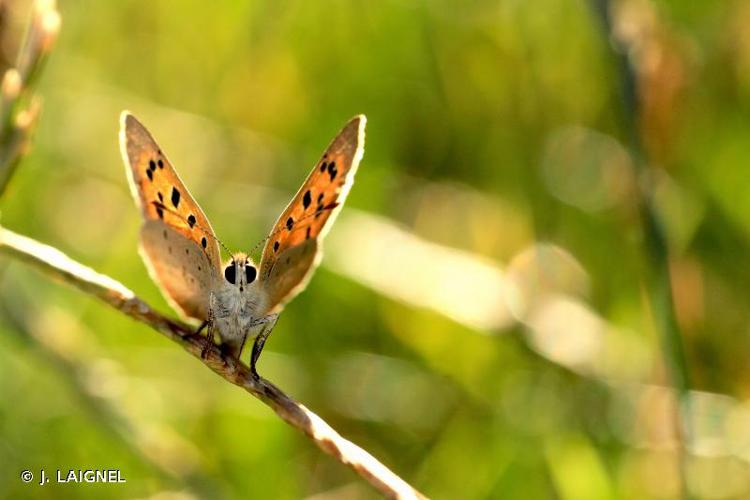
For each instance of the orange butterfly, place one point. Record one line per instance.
(182, 253)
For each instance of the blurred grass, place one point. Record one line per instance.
(492, 125)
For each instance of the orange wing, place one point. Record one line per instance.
(183, 263)
(154, 182)
(293, 247)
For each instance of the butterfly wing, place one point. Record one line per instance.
(177, 242)
(293, 248)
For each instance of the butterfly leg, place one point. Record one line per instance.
(268, 323)
(209, 334)
(242, 345)
(200, 328)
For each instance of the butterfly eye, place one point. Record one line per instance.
(230, 274)
(250, 273)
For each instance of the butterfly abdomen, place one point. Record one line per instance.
(235, 312)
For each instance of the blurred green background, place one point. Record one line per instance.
(481, 321)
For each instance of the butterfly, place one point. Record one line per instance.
(237, 300)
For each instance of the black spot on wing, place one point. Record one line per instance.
(306, 199)
(151, 165)
(191, 220)
(332, 170)
(175, 197)
(161, 163)
(275, 246)
(204, 243)
(150, 175)
(289, 223)
(160, 213)
(161, 196)
(323, 166)
(320, 199)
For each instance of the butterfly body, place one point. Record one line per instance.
(236, 309)
(239, 300)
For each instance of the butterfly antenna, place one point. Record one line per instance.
(252, 252)
(205, 230)
(297, 226)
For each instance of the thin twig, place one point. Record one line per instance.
(56, 264)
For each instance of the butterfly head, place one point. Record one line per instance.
(241, 271)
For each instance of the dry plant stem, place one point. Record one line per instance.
(56, 264)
